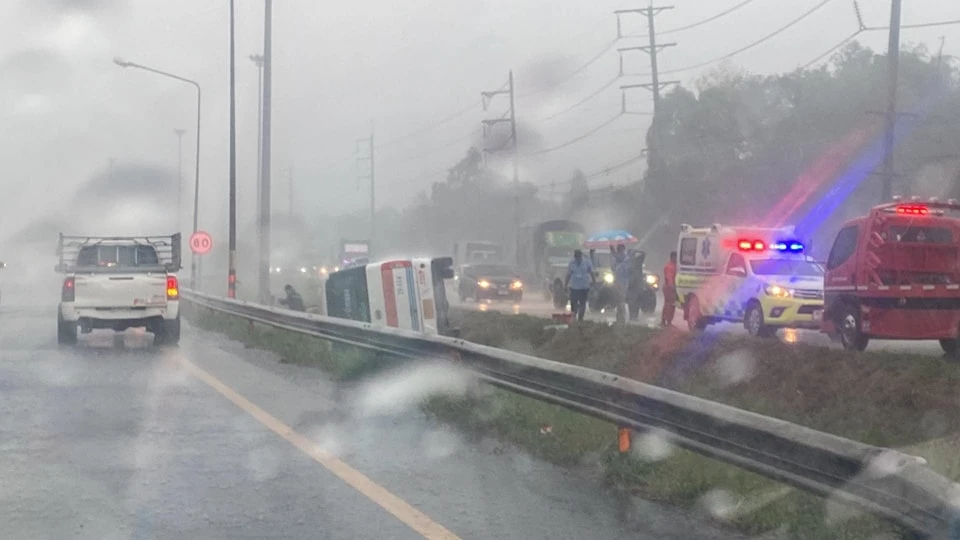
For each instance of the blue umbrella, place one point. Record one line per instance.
(609, 238)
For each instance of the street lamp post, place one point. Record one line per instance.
(258, 60)
(232, 255)
(196, 176)
(179, 133)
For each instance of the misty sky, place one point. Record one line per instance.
(67, 109)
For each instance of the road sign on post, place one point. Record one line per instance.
(201, 243)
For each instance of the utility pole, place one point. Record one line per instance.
(264, 212)
(655, 85)
(368, 156)
(232, 257)
(511, 117)
(893, 63)
(258, 60)
(179, 132)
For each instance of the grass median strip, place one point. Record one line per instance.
(896, 400)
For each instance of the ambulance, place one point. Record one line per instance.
(404, 293)
(759, 277)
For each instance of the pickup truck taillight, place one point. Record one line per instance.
(173, 288)
(69, 286)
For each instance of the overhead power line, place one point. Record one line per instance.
(831, 50)
(589, 97)
(599, 172)
(707, 20)
(574, 140)
(611, 168)
(428, 127)
(695, 24)
(930, 24)
(593, 59)
(749, 46)
(431, 151)
(863, 29)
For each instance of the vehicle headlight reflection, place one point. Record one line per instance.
(777, 291)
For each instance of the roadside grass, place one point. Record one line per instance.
(880, 398)
(895, 400)
(342, 362)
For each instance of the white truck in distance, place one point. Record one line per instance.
(118, 283)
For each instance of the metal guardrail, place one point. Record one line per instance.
(883, 482)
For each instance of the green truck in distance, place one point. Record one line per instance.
(543, 252)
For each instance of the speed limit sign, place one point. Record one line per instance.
(201, 242)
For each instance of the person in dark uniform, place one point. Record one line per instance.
(293, 301)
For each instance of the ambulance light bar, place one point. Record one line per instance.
(751, 245)
(788, 246)
(791, 246)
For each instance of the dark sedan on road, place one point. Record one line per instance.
(489, 281)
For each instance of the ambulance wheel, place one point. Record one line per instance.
(695, 320)
(753, 322)
(848, 326)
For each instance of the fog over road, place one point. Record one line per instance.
(213, 440)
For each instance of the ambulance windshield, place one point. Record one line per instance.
(785, 267)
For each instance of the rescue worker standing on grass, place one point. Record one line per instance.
(669, 290)
(579, 279)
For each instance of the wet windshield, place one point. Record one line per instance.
(372, 327)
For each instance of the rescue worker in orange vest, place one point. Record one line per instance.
(669, 291)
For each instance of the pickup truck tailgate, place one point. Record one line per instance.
(120, 290)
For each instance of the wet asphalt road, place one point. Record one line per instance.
(116, 439)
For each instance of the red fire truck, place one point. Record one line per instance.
(895, 274)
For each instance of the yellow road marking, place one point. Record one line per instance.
(400, 509)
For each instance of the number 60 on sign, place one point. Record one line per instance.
(201, 242)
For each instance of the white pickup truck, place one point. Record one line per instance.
(118, 283)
